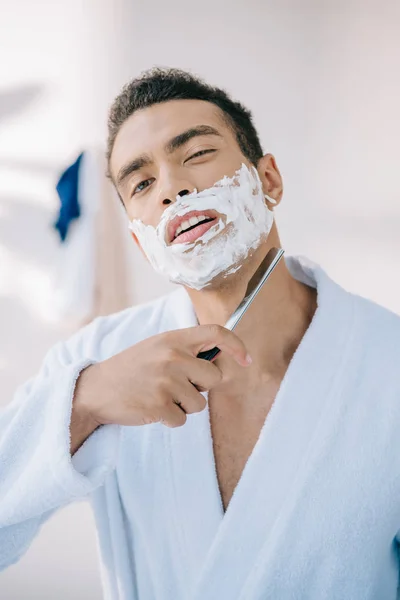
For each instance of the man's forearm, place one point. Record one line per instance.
(82, 424)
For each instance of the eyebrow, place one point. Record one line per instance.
(176, 142)
(183, 138)
(134, 165)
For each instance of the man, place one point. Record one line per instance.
(271, 472)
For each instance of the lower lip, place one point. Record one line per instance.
(194, 234)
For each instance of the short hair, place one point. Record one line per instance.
(163, 84)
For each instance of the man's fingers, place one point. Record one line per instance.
(185, 399)
(173, 416)
(205, 337)
(190, 399)
(201, 373)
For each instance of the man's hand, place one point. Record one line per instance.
(156, 380)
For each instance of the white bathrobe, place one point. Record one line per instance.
(316, 513)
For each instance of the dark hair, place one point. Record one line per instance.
(160, 85)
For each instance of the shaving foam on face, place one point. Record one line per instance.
(244, 223)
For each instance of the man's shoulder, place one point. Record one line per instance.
(376, 326)
(369, 309)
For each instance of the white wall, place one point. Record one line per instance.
(322, 80)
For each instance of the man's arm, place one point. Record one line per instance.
(37, 473)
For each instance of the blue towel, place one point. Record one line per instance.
(67, 189)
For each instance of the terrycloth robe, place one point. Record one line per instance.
(316, 513)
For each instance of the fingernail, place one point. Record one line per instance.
(248, 359)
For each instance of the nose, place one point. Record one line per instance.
(184, 192)
(172, 186)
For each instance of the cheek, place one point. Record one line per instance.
(146, 216)
(226, 167)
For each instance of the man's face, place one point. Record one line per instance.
(170, 147)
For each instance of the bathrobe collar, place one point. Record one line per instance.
(221, 554)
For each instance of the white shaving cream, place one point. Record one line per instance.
(245, 223)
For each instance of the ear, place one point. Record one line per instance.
(271, 180)
(135, 239)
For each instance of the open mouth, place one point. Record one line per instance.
(191, 227)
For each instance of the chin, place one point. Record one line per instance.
(226, 279)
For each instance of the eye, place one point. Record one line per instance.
(201, 153)
(142, 186)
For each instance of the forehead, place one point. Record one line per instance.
(148, 129)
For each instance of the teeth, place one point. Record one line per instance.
(189, 223)
(185, 225)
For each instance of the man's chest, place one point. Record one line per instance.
(235, 430)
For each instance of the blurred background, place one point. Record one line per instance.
(323, 81)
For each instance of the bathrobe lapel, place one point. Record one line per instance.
(221, 551)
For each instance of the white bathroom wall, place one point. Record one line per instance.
(322, 81)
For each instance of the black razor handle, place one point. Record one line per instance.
(209, 354)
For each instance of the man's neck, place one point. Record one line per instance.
(274, 324)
